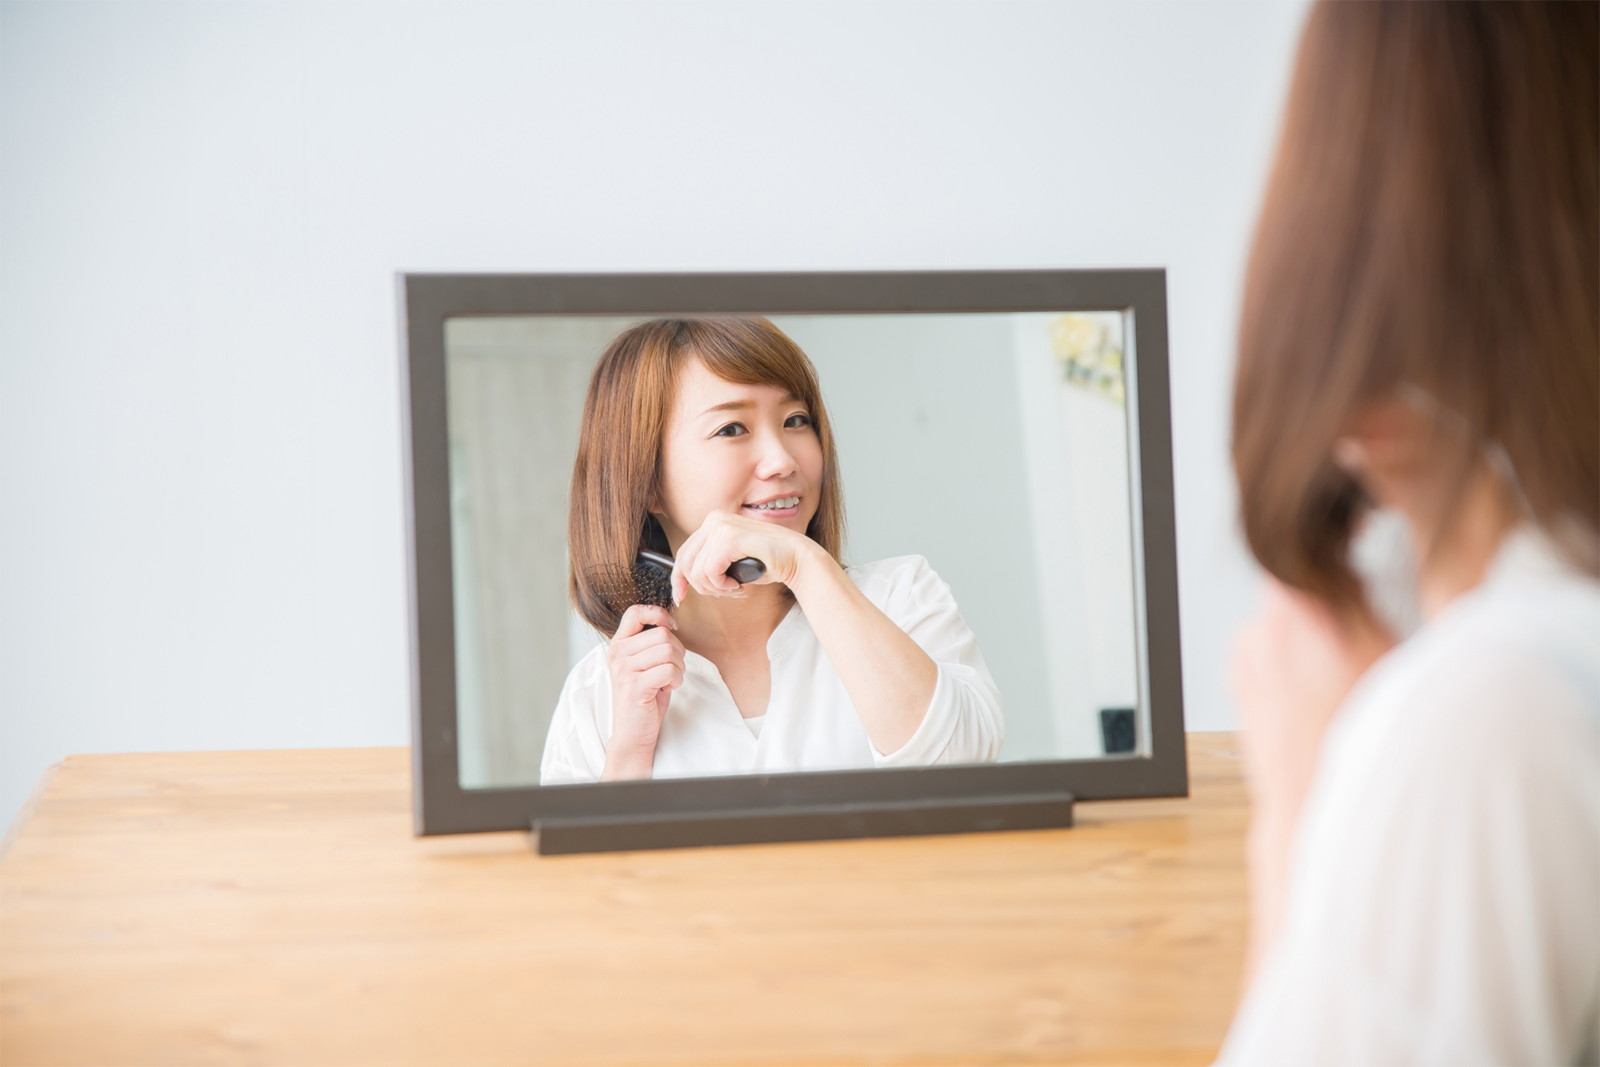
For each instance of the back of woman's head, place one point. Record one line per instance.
(1431, 228)
(625, 416)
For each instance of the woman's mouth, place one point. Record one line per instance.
(781, 507)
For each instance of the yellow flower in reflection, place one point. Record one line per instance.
(1090, 357)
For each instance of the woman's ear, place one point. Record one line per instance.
(1387, 452)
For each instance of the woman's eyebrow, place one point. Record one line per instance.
(729, 405)
(740, 405)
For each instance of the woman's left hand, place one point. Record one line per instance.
(1293, 667)
(703, 560)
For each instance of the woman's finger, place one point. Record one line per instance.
(762, 541)
(705, 556)
(732, 543)
(686, 573)
(667, 676)
(688, 552)
(653, 655)
(627, 660)
(636, 618)
(720, 545)
(656, 635)
(707, 576)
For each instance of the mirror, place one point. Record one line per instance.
(1000, 446)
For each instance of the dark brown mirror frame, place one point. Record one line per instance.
(800, 805)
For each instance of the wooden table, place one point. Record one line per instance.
(273, 907)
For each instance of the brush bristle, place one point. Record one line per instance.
(623, 587)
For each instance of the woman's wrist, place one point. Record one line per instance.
(813, 566)
(1269, 837)
(1268, 847)
(626, 761)
(628, 757)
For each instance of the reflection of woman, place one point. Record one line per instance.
(1419, 344)
(707, 439)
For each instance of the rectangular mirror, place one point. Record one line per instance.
(1009, 428)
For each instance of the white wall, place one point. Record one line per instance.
(202, 207)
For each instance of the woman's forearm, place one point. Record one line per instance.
(1267, 851)
(889, 677)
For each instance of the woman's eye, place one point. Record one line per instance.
(733, 429)
(797, 421)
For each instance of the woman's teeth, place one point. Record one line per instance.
(776, 505)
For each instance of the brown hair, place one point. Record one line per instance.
(1430, 224)
(624, 417)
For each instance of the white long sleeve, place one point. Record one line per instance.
(964, 722)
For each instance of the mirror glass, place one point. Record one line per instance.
(1000, 447)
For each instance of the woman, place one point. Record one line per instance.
(706, 439)
(1418, 351)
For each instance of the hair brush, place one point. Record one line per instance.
(649, 580)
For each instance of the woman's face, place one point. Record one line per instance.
(747, 449)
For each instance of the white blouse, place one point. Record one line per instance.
(1444, 886)
(810, 723)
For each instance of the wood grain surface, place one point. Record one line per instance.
(273, 907)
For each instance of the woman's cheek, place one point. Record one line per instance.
(811, 469)
(722, 485)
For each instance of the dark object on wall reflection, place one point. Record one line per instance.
(1117, 733)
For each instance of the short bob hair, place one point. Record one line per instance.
(1430, 228)
(625, 416)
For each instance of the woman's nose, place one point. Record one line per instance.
(775, 461)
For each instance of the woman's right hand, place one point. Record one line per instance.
(645, 665)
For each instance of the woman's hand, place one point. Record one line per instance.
(703, 559)
(645, 665)
(1293, 667)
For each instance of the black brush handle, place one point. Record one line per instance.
(744, 571)
(747, 570)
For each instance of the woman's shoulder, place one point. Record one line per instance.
(895, 568)
(1532, 622)
(574, 748)
(910, 592)
(1493, 685)
(1495, 701)
(588, 680)
(896, 578)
